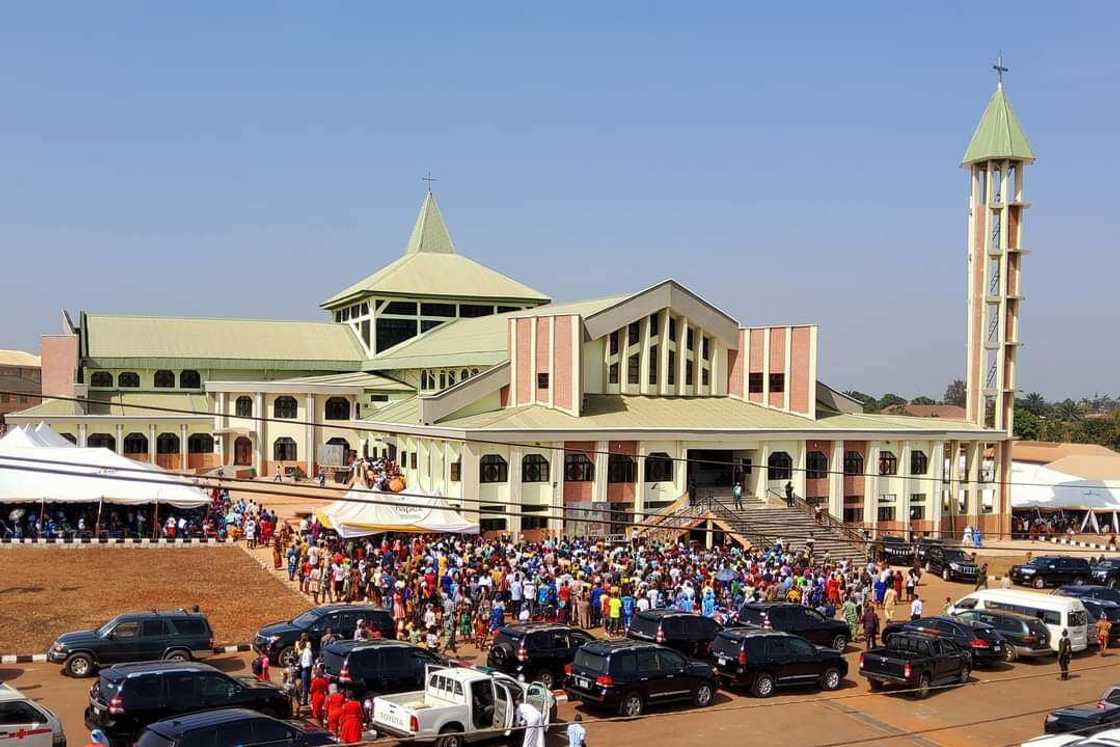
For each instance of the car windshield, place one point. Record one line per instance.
(308, 618)
(1108, 564)
(104, 629)
(591, 662)
(956, 556)
(1041, 562)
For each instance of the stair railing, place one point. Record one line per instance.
(826, 520)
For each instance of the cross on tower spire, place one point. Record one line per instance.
(429, 179)
(1000, 69)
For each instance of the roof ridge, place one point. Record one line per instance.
(189, 318)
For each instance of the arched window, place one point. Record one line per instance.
(244, 407)
(242, 451)
(128, 380)
(621, 468)
(338, 408)
(816, 465)
(888, 463)
(285, 407)
(135, 443)
(70, 437)
(189, 379)
(200, 443)
(284, 449)
(919, 462)
(164, 379)
(659, 467)
(101, 378)
(167, 443)
(492, 468)
(464, 374)
(853, 463)
(779, 466)
(339, 441)
(578, 468)
(534, 468)
(103, 441)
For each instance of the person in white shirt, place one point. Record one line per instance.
(916, 608)
(577, 734)
(529, 717)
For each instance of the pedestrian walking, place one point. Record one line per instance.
(577, 734)
(306, 659)
(1065, 652)
(982, 578)
(889, 601)
(737, 491)
(870, 625)
(789, 494)
(916, 608)
(1104, 627)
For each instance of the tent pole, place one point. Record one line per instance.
(155, 521)
(42, 511)
(97, 524)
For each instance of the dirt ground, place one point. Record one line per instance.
(49, 590)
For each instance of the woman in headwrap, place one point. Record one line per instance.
(334, 708)
(350, 720)
(319, 689)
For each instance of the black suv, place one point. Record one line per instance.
(230, 727)
(176, 635)
(794, 618)
(1106, 572)
(278, 640)
(766, 659)
(951, 563)
(537, 652)
(894, 550)
(1090, 591)
(981, 641)
(378, 667)
(688, 633)
(629, 676)
(1025, 636)
(922, 546)
(128, 697)
(1051, 570)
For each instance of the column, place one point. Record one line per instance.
(936, 486)
(599, 491)
(718, 386)
(640, 484)
(871, 486)
(309, 434)
(223, 417)
(624, 351)
(260, 445)
(82, 436)
(682, 353)
(836, 480)
(903, 510)
(120, 438)
(763, 488)
(468, 475)
(183, 446)
(663, 354)
(697, 344)
(975, 453)
(152, 443)
(556, 477)
(515, 507)
(643, 361)
(799, 456)
(954, 484)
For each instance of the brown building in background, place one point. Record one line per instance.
(21, 377)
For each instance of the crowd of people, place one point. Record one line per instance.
(1038, 525)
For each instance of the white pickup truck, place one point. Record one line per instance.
(459, 705)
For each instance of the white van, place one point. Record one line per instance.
(1057, 613)
(26, 723)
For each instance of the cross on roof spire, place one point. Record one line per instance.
(429, 179)
(1000, 69)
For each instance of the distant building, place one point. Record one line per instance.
(1049, 476)
(20, 381)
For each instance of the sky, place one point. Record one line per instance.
(789, 163)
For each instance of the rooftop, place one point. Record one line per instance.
(999, 133)
(19, 358)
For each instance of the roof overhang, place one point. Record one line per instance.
(666, 294)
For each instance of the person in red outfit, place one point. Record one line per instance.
(319, 687)
(333, 707)
(350, 723)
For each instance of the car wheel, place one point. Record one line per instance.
(927, 566)
(1039, 583)
(946, 575)
(287, 657)
(763, 686)
(840, 643)
(923, 687)
(830, 679)
(965, 674)
(875, 685)
(1010, 655)
(449, 740)
(177, 655)
(79, 665)
(545, 678)
(631, 705)
(702, 696)
(1078, 581)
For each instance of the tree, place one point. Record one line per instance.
(1035, 404)
(923, 401)
(1027, 425)
(955, 393)
(870, 404)
(1068, 410)
(890, 400)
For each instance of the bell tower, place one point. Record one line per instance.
(996, 159)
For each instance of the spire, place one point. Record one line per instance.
(999, 134)
(429, 234)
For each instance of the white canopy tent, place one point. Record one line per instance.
(1041, 487)
(363, 512)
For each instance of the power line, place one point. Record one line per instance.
(536, 444)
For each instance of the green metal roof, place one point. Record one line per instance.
(146, 405)
(116, 341)
(999, 134)
(430, 268)
(478, 341)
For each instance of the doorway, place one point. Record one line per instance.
(242, 451)
(711, 468)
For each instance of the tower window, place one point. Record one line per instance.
(621, 468)
(853, 464)
(614, 342)
(779, 466)
(189, 379)
(493, 468)
(128, 380)
(542, 380)
(888, 463)
(534, 468)
(244, 407)
(654, 362)
(816, 465)
(754, 383)
(285, 407)
(777, 382)
(633, 333)
(612, 374)
(634, 369)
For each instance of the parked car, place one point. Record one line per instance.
(1025, 636)
(1092, 591)
(630, 676)
(1096, 608)
(951, 563)
(1082, 721)
(230, 727)
(980, 641)
(378, 667)
(536, 652)
(1106, 572)
(922, 547)
(278, 640)
(916, 662)
(799, 620)
(461, 704)
(1111, 696)
(763, 660)
(176, 635)
(1051, 570)
(1108, 738)
(127, 697)
(894, 550)
(688, 633)
(27, 723)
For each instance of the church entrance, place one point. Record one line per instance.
(242, 451)
(711, 468)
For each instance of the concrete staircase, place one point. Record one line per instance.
(757, 519)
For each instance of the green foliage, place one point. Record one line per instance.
(1028, 426)
(955, 393)
(923, 401)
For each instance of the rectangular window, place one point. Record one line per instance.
(507, 309)
(379, 398)
(705, 377)
(672, 329)
(427, 324)
(705, 348)
(412, 460)
(688, 341)
(471, 310)
(634, 369)
(654, 362)
(672, 377)
(853, 515)
(917, 513)
(338, 316)
(491, 525)
(437, 309)
(365, 309)
(633, 333)
(688, 373)
(777, 382)
(654, 323)
(614, 342)
(404, 308)
(612, 375)
(346, 314)
(392, 332)
(365, 332)
(754, 383)
(456, 468)
(542, 380)
(886, 513)
(533, 522)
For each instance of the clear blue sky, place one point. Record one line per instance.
(791, 164)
